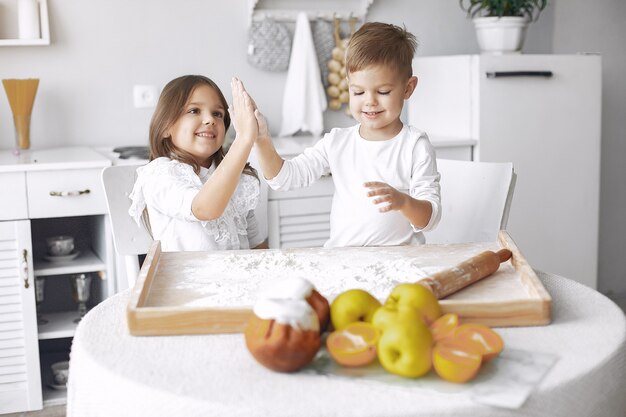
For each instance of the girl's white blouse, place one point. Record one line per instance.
(166, 187)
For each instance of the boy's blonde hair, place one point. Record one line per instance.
(385, 44)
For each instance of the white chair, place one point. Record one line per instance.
(130, 239)
(475, 198)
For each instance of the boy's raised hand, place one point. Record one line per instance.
(387, 197)
(242, 111)
(264, 131)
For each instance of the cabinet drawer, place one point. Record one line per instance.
(71, 192)
(13, 204)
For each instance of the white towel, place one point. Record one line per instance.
(304, 100)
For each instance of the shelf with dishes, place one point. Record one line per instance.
(53, 367)
(80, 260)
(40, 19)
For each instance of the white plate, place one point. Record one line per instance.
(62, 258)
(57, 386)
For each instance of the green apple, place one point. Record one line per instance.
(418, 297)
(352, 305)
(390, 314)
(405, 349)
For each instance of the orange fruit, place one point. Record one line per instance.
(444, 326)
(454, 363)
(480, 339)
(354, 345)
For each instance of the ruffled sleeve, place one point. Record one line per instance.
(233, 222)
(168, 188)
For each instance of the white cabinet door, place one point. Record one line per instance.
(299, 222)
(20, 381)
(548, 127)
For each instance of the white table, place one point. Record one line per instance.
(115, 374)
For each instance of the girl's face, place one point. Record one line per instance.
(377, 94)
(200, 129)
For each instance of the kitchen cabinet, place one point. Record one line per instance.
(44, 28)
(50, 192)
(543, 114)
(301, 217)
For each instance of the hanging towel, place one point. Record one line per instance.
(304, 100)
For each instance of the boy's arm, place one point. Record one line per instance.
(269, 159)
(301, 171)
(422, 205)
(418, 212)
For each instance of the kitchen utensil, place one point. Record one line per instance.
(60, 245)
(60, 373)
(466, 273)
(126, 152)
(62, 258)
(81, 284)
(21, 94)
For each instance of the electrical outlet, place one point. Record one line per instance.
(145, 96)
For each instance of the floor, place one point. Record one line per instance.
(59, 410)
(54, 411)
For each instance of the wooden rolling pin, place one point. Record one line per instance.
(466, 273)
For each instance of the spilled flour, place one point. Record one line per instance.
(234, 278)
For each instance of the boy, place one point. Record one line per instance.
(385, 173)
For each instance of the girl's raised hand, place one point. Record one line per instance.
(242, 111)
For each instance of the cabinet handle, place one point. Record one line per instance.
(502, 74)
(69, 193)
(25, 267)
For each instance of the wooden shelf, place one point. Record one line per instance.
(44, 27)
(287, 10)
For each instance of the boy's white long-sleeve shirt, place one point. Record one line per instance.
(406, 162)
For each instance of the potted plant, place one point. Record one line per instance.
(501, 24)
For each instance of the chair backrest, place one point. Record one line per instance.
(129, 238)
(475, 198)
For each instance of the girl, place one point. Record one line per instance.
(195, 196)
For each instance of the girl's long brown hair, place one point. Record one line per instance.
(170, 107)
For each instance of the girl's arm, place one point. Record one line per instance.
(213, 197)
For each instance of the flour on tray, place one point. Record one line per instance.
(234, 278)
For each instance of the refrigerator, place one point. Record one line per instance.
(543, 114)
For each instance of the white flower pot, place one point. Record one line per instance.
(500, 35)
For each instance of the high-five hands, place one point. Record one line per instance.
(242, 111)
(387, 197)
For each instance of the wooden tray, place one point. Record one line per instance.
(213, 292)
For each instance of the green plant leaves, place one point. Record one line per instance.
(530, 9)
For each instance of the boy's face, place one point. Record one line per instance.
(200, 130)
(377, 94)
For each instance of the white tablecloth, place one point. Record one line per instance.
(115, 374)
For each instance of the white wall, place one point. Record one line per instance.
(101, 49)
